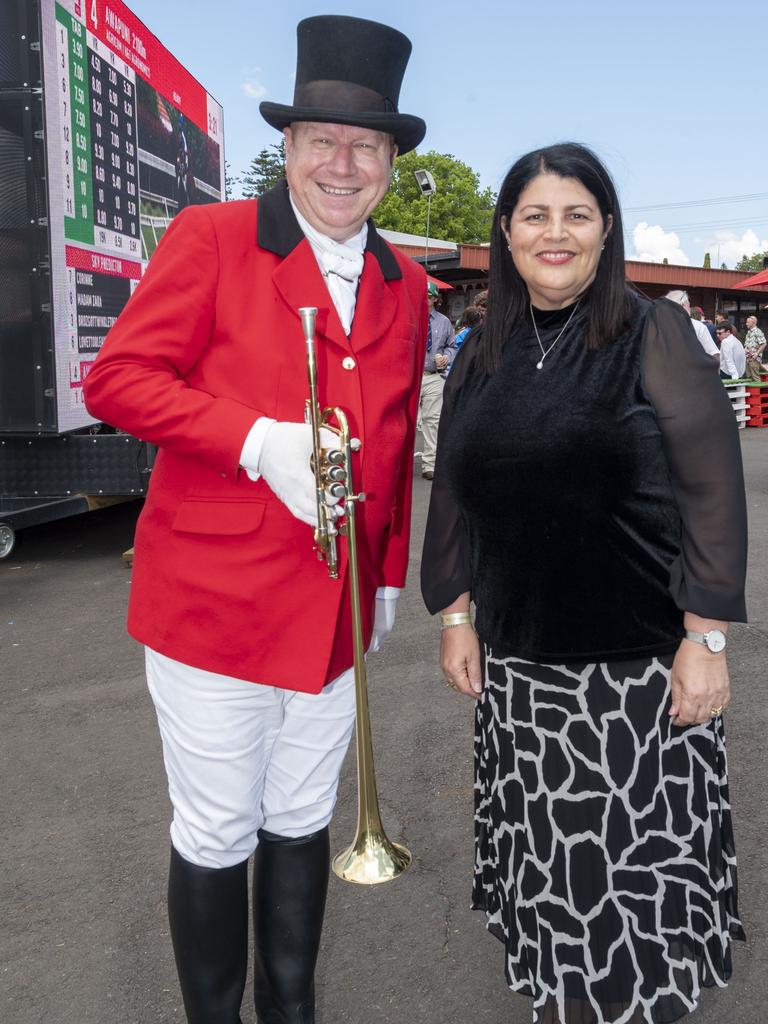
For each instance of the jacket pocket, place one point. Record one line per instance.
(218, 516)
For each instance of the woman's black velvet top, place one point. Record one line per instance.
(586, 505)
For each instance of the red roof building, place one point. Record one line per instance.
(465, 267)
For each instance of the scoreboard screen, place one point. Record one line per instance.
(131, 138)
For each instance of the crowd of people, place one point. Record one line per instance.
(720, 340)
(585, 552)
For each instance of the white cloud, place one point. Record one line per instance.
(653, 244)
(726, 247)
(253, 88)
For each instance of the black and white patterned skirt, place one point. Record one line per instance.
(604, 854)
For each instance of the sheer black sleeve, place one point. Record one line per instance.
(445, 565)
(701, 443)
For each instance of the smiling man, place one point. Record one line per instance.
(248, 642)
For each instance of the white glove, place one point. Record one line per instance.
(284, 464)
(384, 616)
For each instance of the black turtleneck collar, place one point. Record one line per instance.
(279, 232)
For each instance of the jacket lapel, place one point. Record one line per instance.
(300, 283)
(376, 306)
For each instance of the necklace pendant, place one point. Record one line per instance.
(540, 364)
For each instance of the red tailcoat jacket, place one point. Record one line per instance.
(225, 578)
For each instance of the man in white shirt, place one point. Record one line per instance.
(705, 338)
(733, 358)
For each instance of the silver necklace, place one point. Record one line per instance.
(562, 332)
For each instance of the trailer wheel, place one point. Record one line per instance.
(7, 540)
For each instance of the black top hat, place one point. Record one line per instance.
(349, 71)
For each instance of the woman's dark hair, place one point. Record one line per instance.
(608, 303)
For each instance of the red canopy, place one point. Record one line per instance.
(440, 284)
(755, 280)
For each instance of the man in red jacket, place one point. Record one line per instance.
(248, 641)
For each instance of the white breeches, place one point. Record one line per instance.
(241, 757)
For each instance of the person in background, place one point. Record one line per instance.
(589, 499)
(470, 318)
(733, 358)
(437, 363)
(701, 332)
(754, 346)
(697, 313)
(248, 642)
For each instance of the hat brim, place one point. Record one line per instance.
(408, 131)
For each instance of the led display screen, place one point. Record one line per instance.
(131, 138)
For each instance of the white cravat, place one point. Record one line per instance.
(341, 264)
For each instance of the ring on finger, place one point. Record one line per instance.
(716, 712)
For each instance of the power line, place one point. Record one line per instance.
(714, 225)
(719, 200)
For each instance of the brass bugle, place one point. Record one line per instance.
(371, 857)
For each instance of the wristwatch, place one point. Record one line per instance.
(714, 640)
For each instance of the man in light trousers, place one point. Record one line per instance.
(441, 349)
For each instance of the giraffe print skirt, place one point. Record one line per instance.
(604, 854)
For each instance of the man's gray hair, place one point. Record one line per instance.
(678, 296)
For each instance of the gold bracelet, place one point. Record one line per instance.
(455, 619)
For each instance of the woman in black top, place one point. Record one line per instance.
(589, 500)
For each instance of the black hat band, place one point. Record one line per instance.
(327, 94)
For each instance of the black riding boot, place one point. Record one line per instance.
(208, 913)
(290, 882)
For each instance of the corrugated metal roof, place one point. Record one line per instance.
(400, 238)
(641, 272)
(476, 257)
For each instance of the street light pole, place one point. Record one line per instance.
(426, 238)
(426, 183)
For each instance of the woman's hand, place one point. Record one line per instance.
(699, 684)
(460, 660)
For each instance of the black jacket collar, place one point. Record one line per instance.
(278, 231)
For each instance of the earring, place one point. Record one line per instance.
(602, 248)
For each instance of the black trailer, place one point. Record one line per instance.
(104, 137)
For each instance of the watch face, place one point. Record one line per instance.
(716, 640)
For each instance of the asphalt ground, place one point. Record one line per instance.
(84, 936)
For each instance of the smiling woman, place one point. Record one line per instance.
(588, 498)
(555, 235)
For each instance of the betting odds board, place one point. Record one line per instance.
(131, 138)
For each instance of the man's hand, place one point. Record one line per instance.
(383, 621)
(284, 464)
(441, 361)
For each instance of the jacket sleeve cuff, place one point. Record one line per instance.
(251, 453)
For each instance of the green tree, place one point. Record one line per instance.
(707, 261)
(460, 211)
(230, 181)
(753, 262)
(266, 170)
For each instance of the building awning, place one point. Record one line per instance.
(756, 281)
(439, 283)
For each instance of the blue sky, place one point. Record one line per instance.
(672, 95)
